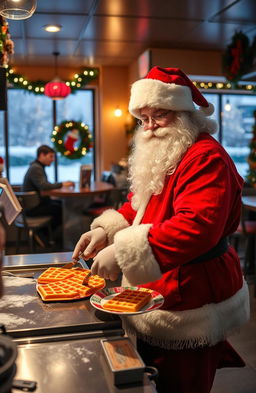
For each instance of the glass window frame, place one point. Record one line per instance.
(5, 127)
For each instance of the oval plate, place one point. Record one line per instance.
(100, 297)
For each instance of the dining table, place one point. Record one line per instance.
(249, 202)
(74, 201)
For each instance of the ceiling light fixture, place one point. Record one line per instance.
(52, 28)
(17, 9)
(56, 89)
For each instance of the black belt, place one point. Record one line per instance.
(214, 252)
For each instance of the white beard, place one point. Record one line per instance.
(157, 154)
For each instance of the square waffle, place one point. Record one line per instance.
(58, 291)
(128, 301)
(53, 274)
(70, 287)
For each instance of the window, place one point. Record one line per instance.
(235, 130)
(237, 125)
(30, 124)
(78, 107)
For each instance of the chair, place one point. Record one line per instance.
(110, 200)
(114, 200)
(31, 225)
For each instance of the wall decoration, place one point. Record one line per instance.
(238, 57)
(72, 139)
(6, 44)
(37, 87)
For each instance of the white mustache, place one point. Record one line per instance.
(159, 133)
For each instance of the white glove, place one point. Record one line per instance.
(90, 243)
(105, 264)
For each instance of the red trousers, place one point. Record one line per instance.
(188, 370)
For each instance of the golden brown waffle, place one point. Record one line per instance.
(53, 274)
(57, 291)
(70, 287)
(128, 301)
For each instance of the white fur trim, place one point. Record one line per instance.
(208, 110)
(111, 221)
(134, 255)
(157, 94)
(206, 325)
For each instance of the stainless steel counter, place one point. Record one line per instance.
(58, 343)
(32, 259)
(76, 366)
(25, 315)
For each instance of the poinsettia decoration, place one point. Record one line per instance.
(238, 57)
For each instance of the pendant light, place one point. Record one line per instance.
(56, 89)
(17, 9)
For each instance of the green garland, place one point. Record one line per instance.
(37, 87)
(6, 44)
(58, 138)
(87, 75)
(238, 57)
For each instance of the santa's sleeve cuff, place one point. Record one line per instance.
(134, 255)
(111, 221)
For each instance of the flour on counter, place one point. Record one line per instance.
(82, 352)
(15, 301)
(10, 281)
(11, 321)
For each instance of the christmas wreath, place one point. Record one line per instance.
(72, 139)
(238, 57)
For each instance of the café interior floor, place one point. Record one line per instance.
(227, 380)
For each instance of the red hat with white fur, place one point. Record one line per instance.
(167, 88)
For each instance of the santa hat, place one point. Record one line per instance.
(167, 88)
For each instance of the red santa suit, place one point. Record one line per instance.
(203, 301)
(158, 247)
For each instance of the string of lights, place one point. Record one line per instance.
(37, 87)
(87, 75)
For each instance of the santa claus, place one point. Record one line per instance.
(72, 138)
(171, 235)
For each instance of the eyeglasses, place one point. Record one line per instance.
(157, 119)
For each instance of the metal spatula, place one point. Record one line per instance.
(86, 279)
(73, 262)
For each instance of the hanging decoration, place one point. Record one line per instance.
(72, 139)
(238, 57)
(251, 176)
(37, 87)
(56, 89)
(17, 9)
(89, 74)
(6, 44)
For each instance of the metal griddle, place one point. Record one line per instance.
(70, 366)
(67, 319)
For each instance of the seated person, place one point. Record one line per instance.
(36, 180)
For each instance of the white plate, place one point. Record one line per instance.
(99, 298)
